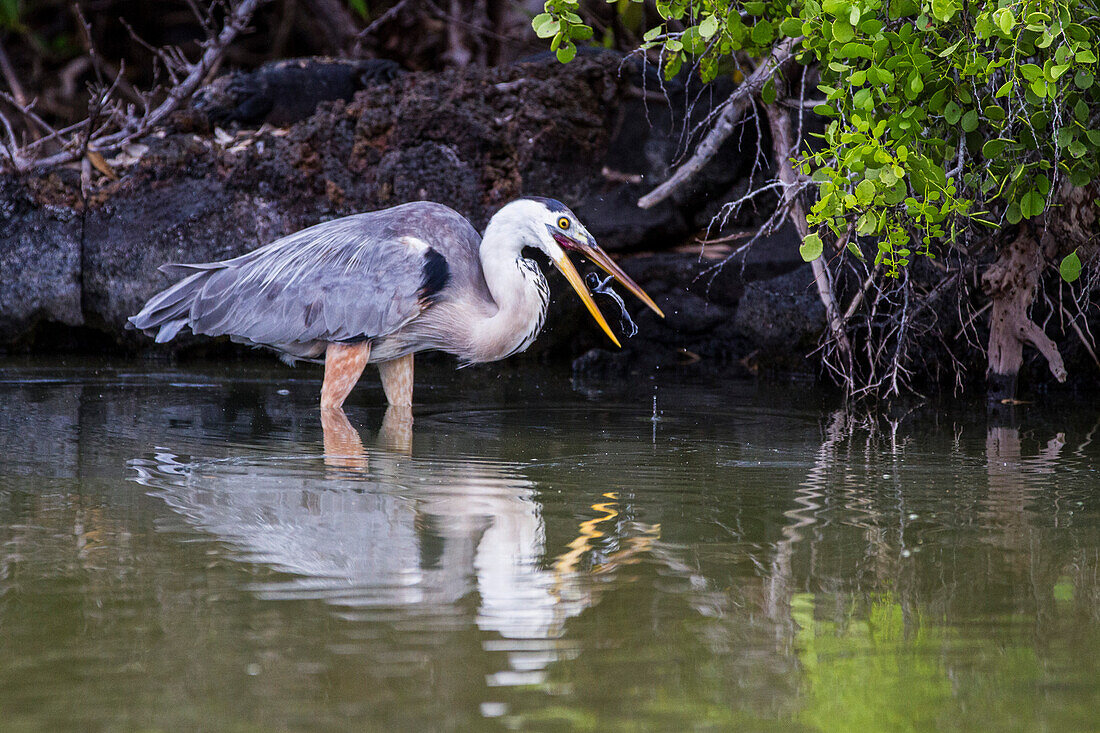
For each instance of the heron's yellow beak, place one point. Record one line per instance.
(574, 278)
(593, 252)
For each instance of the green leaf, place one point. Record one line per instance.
(763, 32)
(1032, 204)
(547, 27)
(870, 26)
(791, 27)
(855, 50)
(1083, 79)
(952, 113)
(709, 26)
(567, 52)
(943, 10)
(950, 49)
(865, 192)
(672, 66)
(1085, 56)
(993, 148)
(842, 30)
(693, 42)
(969, 121)
(811, 248)
(768, 93)
(1070, 268)
(1031, 72)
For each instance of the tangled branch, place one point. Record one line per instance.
(733, 110)
(116, 124)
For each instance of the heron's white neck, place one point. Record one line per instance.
(519, 293)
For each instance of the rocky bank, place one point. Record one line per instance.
(79, 256)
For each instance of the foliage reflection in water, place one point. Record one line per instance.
(185, 549)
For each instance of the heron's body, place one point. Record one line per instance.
(378, 287)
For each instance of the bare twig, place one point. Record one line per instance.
(11, 78)
(115, 132)
(1081, 335)
(973, 317)
(10, 146)
(171, 65)
(858, 299)
(374, 24)
(732, 111)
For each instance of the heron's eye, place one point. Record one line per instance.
(563, 222)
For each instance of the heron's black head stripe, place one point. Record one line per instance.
(552, 204)
(437, 273)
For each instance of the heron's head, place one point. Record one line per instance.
(551, 227)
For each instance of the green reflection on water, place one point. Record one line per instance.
(892, 670)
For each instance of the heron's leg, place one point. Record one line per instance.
(344, 363)
(397, 380)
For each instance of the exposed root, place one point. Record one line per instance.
(1010, 283)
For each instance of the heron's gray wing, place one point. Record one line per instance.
(342, 280)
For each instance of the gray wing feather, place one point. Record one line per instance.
(353, 278)
(330, 283)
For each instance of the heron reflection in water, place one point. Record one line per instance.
(379, 287)
(378, 529)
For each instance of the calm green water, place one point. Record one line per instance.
(177, 553)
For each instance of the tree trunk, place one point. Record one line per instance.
(1010, 283)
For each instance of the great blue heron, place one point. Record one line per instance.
(380, 286)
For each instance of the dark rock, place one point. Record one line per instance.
(783, 318)
(186, 220)
(472, 139)
(769, 256)
(40, 262)
(289, 91)
(599, 364)
(429, 172)
(618, 224)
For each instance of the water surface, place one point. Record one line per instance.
(178, 552)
